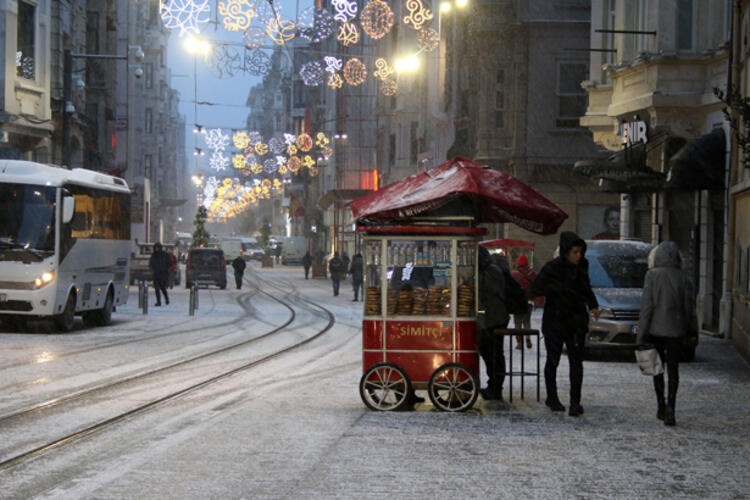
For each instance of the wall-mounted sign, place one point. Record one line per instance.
(633, 132)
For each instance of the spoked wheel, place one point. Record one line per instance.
(453, 387)
(385, 387)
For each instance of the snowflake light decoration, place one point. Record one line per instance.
(218, 161)
(266, 11)
(428, 39)
(257, 62)
(333, 64)
(238, 14)
(185, 15)
(289, 139)
(348, 34)
(346, 10)
(418, 14)
(312, 73)
(255, 138)
(335, 81)
(270, 165)
(276, 146)
(315, 24)
(383, 69)
(376, 19)
(355, 72)
(241, 140)
(224, 61)
(216, 139)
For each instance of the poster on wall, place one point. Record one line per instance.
(599, 222)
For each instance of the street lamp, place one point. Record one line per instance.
(68, 106)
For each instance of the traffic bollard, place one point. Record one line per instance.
(144, 296)
(195, 285)
(191, 305)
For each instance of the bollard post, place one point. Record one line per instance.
(145, 297)
(195, 285)
(191, 304)
(140, 294)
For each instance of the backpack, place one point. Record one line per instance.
(515, 296)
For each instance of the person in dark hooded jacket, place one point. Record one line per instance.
(492, 302)
(667, 314)
(564, 282)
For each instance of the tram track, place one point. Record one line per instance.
(37, 450)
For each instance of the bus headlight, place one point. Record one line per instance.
(44, 279)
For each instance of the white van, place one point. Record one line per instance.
(232, 248)
(293, 249)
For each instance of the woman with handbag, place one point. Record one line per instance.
(667, 313)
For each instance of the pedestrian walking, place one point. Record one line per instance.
(667, 315)
(172, 275)
(492, 302)
(525, 277)
(347, 261)
(357, 270)
(159, 263)
(564, 282)
(338, 272)
(239, 265)
(306, 263)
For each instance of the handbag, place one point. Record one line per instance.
(648, 360)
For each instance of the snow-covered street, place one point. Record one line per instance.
(294, 426)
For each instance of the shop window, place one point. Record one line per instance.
(25, 41)
(571, 97)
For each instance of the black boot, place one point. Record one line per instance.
(669, 411)
(554, 404)
(660, 409)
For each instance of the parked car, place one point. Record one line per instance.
(293, 250)
(139, 259)
(617, 269)
(232, 248)
(252, 251)
(206, 266)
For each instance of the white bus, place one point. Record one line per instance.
(64, 244)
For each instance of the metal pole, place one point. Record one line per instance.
(191, 304)
(145, 298)
(195, 287)
(67, 91)
(140, 295)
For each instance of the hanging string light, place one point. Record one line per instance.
(257, 62)
(355, 72)
(418, 14)
(237, 14)
(312, 73)
(254, 37)
(346, 10)
(428, 39)
(224, 61)
(376, 19)
(388, 87)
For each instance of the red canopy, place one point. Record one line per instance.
(507, 243)
(461, 187)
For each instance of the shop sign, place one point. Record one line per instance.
(633, 132)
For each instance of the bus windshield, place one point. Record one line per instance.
(27, 221)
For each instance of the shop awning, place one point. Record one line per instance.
(700, 164)
(460, 187)
(334, 195)
(622, 172)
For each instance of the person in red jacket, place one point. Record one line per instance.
(525, 277)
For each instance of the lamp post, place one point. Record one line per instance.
(68, 107)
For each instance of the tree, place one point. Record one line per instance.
(200, 235)
(265, 231)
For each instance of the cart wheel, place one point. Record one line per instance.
(385, 387)
(453, 387)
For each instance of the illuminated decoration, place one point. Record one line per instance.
(289, 139)
(282, 170)
(418, 14)
(312, 73)
(321, 140)
(346, 10)
(257, 62)
(241, 140)
(266, 10)
(376, 19)
(254, 37)
(216, 139)
(355, 71)
(388, 87)
(256, 168)
(281, 30)
(185, 15)
(218, 161)
(224, 61)
(294, 164)
(327, 153)
(291, 150)
(308, 162)
(315, 24)
(383, 70)
(238, 14)
(255, 138)
(276, 146)
(239, 161)
(270, 165)
(335, 81)
(304, 143)
(261, 149)
(313, 171)
(333, 64)
(428, 39)
(348, 34)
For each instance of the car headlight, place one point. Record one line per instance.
(44, 279)
(606, 313)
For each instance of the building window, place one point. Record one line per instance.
(148, 75)
(500, 99)
(414, 151)
(392, 149)
(25, 42)
(149, 118)
(571, 97)
(684, 24)
(148, 161)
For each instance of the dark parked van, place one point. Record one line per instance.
(206, 266)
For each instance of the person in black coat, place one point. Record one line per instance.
(306, 263)
(357, 271)
(492, 302)
(159, 263)
(239, 270)
(564, 282)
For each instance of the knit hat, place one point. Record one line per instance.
(522, 260)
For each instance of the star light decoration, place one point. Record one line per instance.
(348, 34)
(185, 15)
(237, 14)
(376, 19)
